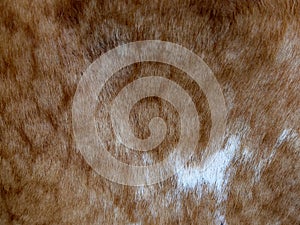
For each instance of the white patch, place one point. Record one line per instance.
(286, 135)
(147, 159)
(247, 155)
(258, 169)
(214, 173)
(140, 193)
(220, 218)
(92, 197)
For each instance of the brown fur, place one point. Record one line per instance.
(253, 48)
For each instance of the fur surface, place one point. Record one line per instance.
(253, 48)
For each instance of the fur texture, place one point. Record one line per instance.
(253, 48)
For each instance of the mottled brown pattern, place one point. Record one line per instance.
(253, 48)
(153, 107)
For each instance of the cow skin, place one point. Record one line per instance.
(253, 50)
